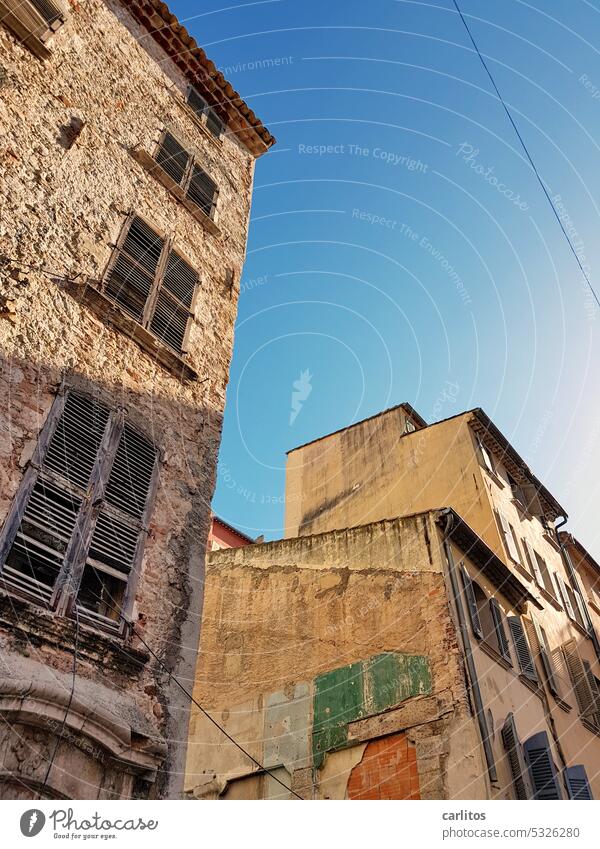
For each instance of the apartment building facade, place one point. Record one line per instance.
(127, 168)
(519, 597)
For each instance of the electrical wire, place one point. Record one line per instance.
(529, 157)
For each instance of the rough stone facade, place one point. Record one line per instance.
(70, 128)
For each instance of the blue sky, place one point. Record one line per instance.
(400, 247)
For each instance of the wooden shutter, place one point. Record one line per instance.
(581, 684)
(595, 689)
(472, 604)
(172, 310)
(541, 767)
(580, 612)
(501, 637)
(51, 523)
(516, 760)
(202, 190)
(564, 595)
(531, 499)
(577, 782)
(545, 656)
(534, 568)
(132, 271)
(119, 532)
(526, 664)
(214, 123)
(173, 158)
(509, 538)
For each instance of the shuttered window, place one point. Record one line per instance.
(207, 115)
(152, 283)
(487, 457)
(182, 168)
(75, 531)
(524, 657)
(577, 782)
(516, 760)
(542, 771)
(472, 604)
(586, 694)
(510, 538)
(545, 656)
(501, 637)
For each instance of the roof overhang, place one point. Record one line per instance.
(482, 556)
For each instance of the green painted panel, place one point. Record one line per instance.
(391, 678)
(338, 700)
(363, 689)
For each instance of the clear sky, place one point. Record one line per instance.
(400, 246)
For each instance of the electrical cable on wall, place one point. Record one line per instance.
(528, 155)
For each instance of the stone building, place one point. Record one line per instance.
(127, 165)
(423, 631)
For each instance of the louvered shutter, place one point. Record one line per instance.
(518, 767)
(541, 767)
(577, 782)
(51, 517)
(595, 690)
(118, 531)
(545, 655)
(131, 274)
(472, 604)
(202, 190)
(580, 613)
(214, 123)
(526, 664)
(564, 595)
(173, 158)
(51, 12)
(172, 310)
(581, 685)
(501, 637)
(508, 538)
(534, 567)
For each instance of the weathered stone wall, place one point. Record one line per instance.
(62, 210)
(312, 647)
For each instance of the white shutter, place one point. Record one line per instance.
(509, 539)
(564, 595)
(532, 557)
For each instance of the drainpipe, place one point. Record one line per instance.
(464, 634)
(575, 584)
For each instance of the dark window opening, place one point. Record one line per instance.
(199, 105)
(181, 167)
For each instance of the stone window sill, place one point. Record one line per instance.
(549, 597)
(495, 477)
(110, 312)
(39, 626)
(532, 685)
(26, 23)
(562, 704)
(153, 168)
(590, 726)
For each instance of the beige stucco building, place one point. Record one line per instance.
(127, 163)
(421, 632)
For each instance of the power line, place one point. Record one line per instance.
(524, 146)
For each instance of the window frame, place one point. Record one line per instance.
(65, 591)
(202, 117)
(27, 23)
(168, 246)
(193, 161)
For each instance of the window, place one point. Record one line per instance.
(75, 532)
(545, 656)
(572, 601)
(542, 770)
(539, 569)
(152, 283)
(516, 760)
(183, 169)
(486, 617)
(33, 22)
(207, 115)
(524, 656)
(585, 685)
(409, 427)
(510, 538)
(517, 491)
(487, 457)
